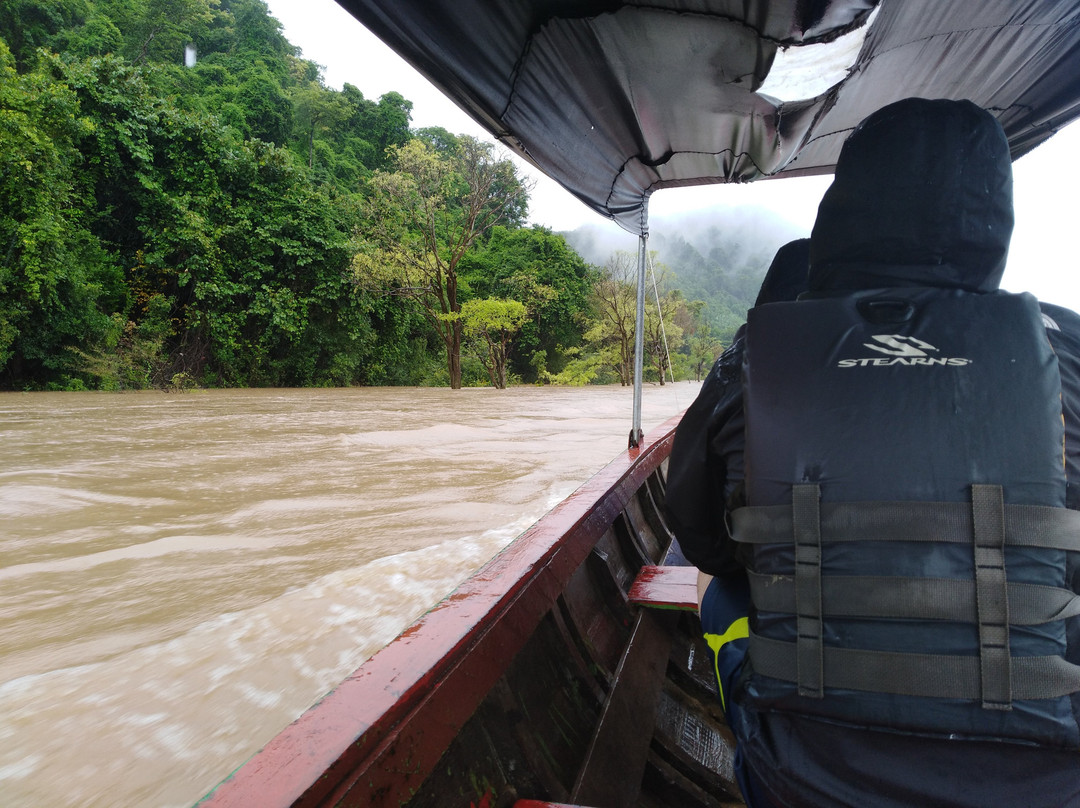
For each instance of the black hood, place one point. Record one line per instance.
(922, 197)
(786, 278)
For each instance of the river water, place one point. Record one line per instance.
(181, 575)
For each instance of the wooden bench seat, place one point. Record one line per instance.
(665, 588)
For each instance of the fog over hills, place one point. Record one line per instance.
(718, 255)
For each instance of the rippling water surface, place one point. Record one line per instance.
(182, 575)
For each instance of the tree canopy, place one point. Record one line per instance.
(237, 222)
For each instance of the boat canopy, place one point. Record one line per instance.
(615, 100)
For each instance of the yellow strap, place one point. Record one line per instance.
(738, 630)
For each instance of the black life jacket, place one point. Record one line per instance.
(912, 561)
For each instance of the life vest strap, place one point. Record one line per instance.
(986, 524)
(1025, 525)
(925, 675)
(806, 531)
(991, 596)
(899, 598)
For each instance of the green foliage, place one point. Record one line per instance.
(237, 222)
(580, 369)
(425, 217)
(158, 30)
(55, 274)
(149, 230)
(269, 114)
(701, 346)
(614, 297)
(26, 25)
(663, 333)
(135, 357)
(491, 324)
(537, 267)
(676, 337)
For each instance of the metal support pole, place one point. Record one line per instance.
(636, 435)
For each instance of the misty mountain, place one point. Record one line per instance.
(718, 255)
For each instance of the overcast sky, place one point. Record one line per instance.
(1041, 259)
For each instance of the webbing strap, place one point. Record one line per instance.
(988, 518)
(897, 598)
(1025, 525)
(926, 675)
(806, 530)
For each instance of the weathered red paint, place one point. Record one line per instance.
(665, 587)
(376, 736)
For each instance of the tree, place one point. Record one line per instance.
(537, 267)
(493, 323)
(317, 109)
(615, 299)
(269, 112)
(701, 345)
(165, 27)
(610, 336)
(157, 220)
(389, 122)
(26, 25)
(236, 265)
(253, 31)
(54, 272)
(663, 334)
(424, 218)
(438, 138)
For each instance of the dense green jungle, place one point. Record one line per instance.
(229, 220)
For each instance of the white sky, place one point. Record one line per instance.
(1040, 258)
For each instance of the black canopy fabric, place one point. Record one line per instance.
(615, 100)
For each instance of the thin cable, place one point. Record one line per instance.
(663, 331)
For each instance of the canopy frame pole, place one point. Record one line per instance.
(636, 435)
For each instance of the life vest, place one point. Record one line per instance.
(911, 559)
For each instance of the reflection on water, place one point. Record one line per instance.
(182, 575)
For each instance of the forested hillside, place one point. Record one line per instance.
(184, 202)
(716, 256)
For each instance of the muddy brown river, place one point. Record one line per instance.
(182, 575)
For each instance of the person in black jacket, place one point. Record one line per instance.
(910, 238)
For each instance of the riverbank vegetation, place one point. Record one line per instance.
(232, 221)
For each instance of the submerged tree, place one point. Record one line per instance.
(539, 268)
(425, 215)
(492, 324)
